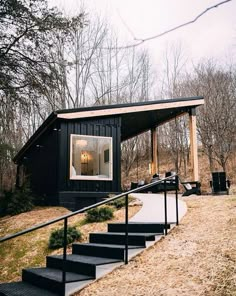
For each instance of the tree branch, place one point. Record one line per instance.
(141, 41)
(16, 40)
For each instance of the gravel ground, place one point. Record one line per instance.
(196, 258)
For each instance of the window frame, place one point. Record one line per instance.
(90, 177)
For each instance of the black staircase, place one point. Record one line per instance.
(102, 249)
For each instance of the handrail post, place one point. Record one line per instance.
(126, 239)
(126, 229)
(176, 200)
(64, 257)
(165, 207)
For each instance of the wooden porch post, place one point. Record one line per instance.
(193, 144)
(154, 150)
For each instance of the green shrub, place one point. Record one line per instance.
(57, 237)
(120, 202)
(16, 202)
(99, 214)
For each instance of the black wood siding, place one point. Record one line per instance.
(109, 127)
(41, 166)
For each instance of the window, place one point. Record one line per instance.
(90, 158)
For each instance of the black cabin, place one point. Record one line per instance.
(74, 158)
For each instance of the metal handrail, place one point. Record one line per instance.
(65, 218)
(8, 237)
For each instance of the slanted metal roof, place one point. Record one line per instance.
(136, 117)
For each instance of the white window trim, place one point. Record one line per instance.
(91, 178)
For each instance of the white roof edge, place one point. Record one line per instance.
(130, 109)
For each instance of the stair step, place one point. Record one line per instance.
(109, 251)
(79, 263)
(73, 264)
(119, 238)
(50, 278)
(23, 289)
(148, 236)
(138, 227)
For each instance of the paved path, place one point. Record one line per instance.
(152, 211)
(153, 208)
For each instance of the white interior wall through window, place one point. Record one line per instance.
(90, 157)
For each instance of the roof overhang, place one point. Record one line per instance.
(137, 117)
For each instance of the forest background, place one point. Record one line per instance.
(49, 61)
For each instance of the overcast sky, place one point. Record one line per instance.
(213, 35)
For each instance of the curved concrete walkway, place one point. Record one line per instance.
(153, 208)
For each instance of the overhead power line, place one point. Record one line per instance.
(141, 41)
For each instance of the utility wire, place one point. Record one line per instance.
(141, 41)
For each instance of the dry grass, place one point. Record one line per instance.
(196, 258)
(30, 250)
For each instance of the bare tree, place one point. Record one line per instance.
(216, 119)
(173, 136)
